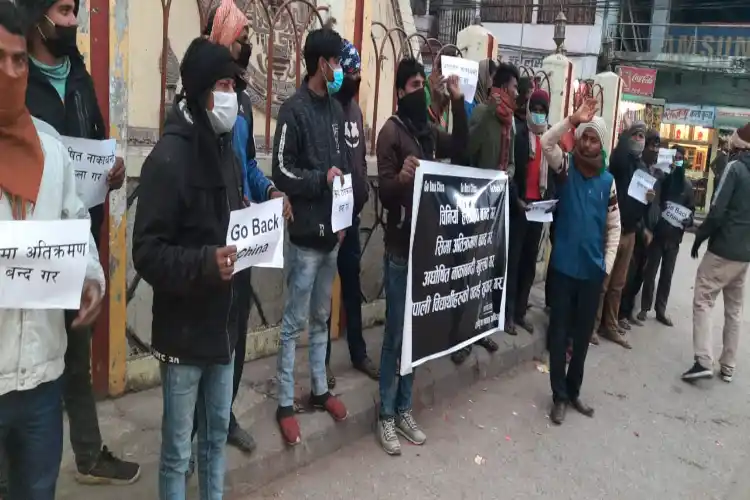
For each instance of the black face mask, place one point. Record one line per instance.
(349, 89)
(414, 107)
(64, 42)
(243, 60)
(650, 157)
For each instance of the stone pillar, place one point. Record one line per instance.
(560, 72)
(477, 42)
(612, 88)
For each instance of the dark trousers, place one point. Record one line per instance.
(348, 262)
(78, 396)
(572, 317)
(31, 433)
(666, 254)
(635, 279)
(522, 254)
(548, 275)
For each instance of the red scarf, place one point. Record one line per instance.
(506, 105)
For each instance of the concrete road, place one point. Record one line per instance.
(653, 436)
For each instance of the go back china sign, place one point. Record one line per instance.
(638, 81)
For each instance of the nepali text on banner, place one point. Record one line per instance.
(92, 161)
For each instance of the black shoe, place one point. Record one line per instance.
(108, 469)
(488, 344)
(241, 439)
(460, 356)
(557, 415)
(510, 328)
(697, 372)
(526, 325)
(582, 408)
(367, 367)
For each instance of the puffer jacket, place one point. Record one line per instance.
(34, 340)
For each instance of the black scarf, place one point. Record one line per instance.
(412, 111)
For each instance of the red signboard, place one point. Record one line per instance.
(638, 81)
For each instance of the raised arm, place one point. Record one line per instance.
(612, 238)
(551, 147)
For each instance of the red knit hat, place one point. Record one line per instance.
(539, 97)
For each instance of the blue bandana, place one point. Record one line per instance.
(350, 60)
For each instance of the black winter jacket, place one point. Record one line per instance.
(308, 142)
(78, 116)
(181, 219)
(622, 165)
(677, 188)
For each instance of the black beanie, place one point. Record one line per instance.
(204, 64)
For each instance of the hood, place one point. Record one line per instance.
(742, 157)
(177, 122)
(621, 153)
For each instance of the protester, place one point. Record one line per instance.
(718, 165)
(190, 182)
(36, 183)
(676, 188)
(438, 100)
(487, 69)
(586, 241)
(625, 161)
(61, 93)
(406, 138)
(638, 261)
(307, 160)
(227, 26)
(724, 265)
(350, 252)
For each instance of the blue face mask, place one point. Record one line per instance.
(678, 163)
(538, 118)
(338, 80)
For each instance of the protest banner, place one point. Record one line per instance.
(640, 184)
(665, 159)
(457, 260)
(43, 263)
(92, 161)
(676, 214)
(342, 207)
(256, 231)
(467, 71)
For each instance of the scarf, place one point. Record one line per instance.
(535, 131)
(411, 112)
(587, 165)
(229, 22)
(22, 158)
(504, 112)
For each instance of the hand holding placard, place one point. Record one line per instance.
(640, 185)
(255, 232)
(342, 209)
(92, 161)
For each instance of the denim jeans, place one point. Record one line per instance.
(205, 391)
(395, 390)
(31, 431)
(309, 280)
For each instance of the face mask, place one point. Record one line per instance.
(338, 80)
(224, 114)
(538, 118)
(636, 147)
(414, 107)
(678, 163)
(243, 60)
(349, 89)
(64, 42)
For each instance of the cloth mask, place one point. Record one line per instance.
(338, 80)
(64, 43)
(678, 163)
(538, 118)
(636, 147)
(224, 114)
(414, 107)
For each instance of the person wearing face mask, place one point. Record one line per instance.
(61, 93)
(348, 259)
(406, 138)
(586, 241)
(190, 182)
(676, 188)
(626, 159)
(309, 155)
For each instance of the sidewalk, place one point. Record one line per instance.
(131, 425)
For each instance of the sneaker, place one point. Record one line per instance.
(726, 376)
(288, 425)
(697, 372)
(387, 436)
(331, 404)
(108, 469)
(367, 367)
(407, 427)
(241, 439)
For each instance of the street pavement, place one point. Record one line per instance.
(653, 436)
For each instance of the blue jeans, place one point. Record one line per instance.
(309, 280)
(31, 432)
(395, 390)
(205, 391)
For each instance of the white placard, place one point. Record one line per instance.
(92, 161)
(676, 214)
(641, 183)
(43, 263)
(467, 71)
(256, 231)
(539, 211)
(277, 261)
(342, 210)
(665, 160)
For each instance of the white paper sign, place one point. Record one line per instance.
(256, 231)
(342, 210)
(641, 183)
(467, 71)
(43, 263)
(665, 160)
(277, 261)
(92, 161)
(675, 214)
(538, 211)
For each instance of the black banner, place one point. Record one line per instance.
(457, 263)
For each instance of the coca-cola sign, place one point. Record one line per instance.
(638, 81)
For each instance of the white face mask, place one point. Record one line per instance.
(224, 114)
